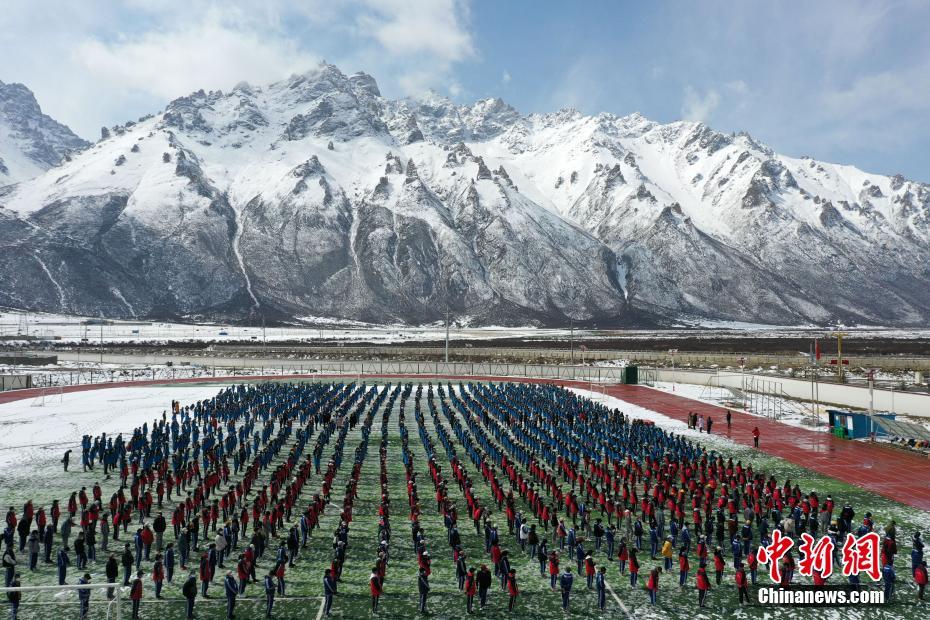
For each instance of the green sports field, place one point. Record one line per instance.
(446, 601)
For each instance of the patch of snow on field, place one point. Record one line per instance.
(33, 438)
(662, 421)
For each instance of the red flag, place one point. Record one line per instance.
(817, 348)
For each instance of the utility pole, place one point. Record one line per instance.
(447, 333)
(871, 376)
(839, 355)
(815, 383)
(742, 381)
(571, 338)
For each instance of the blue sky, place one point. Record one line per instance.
(845, 81)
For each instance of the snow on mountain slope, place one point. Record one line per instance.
(317, 196)
(30, 141)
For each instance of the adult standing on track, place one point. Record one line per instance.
(755, 436)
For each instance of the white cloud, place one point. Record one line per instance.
(697, 106)
(884, 109)
(211, 54)
(505, 78)
(411, 27)
(418, 41)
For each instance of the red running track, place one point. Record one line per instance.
(896, 474)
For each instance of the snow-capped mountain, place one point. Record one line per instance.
(317, 196)
(30, 141)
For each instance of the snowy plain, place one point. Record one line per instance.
(71, 329)
(35, 432)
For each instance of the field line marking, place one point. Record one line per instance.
(319, 613)
(616, 598)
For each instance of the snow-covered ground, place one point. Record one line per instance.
(34, 433)
(670, 424)
(788, 411)
(68, 329)
(74, 330)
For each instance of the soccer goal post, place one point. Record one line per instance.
(105, 608)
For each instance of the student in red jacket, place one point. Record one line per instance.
(703, 585)
(920, 578)
(589, 570)
(818, 579)
(553, 569)
(158, 575)
(652, 585)
(753, 561)
(135, 594)
(634, 568)
(512, 589)
(719, 565)
(242, 572)
(376, 587)
(206, 574)
(471, 589)
(683, 567)
(495, 559)
(742, 584)
(279, 571)
(622, 555)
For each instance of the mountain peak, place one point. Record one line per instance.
(363, 82)
(289, 183)
(30, 141)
